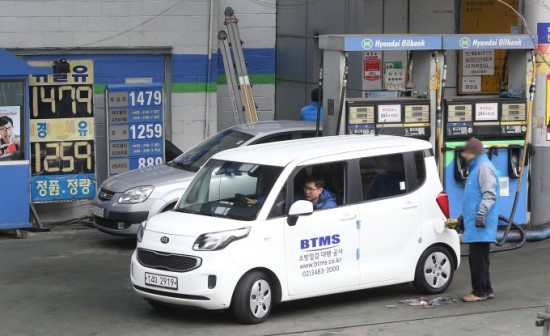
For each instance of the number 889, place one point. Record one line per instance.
(149, 161)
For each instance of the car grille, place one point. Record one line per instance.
(111, 224)
(105, 195)
(167, 261)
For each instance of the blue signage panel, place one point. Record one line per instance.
(52, 188)
(543, 32)
(487, 42)
(135, 120)
(391, 42)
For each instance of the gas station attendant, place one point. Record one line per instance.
(480, 218)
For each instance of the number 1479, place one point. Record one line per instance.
(145, 98)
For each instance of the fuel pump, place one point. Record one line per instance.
(404, 111)
(500, 121)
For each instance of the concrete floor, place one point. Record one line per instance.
(75, 282)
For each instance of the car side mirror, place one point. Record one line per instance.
(297, 209)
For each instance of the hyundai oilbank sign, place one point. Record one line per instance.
(389, 42)
(469, 42)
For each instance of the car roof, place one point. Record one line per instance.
(276, 126)
(284, 152)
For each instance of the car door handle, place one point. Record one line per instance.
(347, 217)
(410, 205)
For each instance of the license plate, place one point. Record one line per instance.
(162, 281)
(96, 211)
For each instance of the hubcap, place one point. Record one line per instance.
(437, 270)
(260, 298)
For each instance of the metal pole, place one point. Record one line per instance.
(319, 100)
(540, 126)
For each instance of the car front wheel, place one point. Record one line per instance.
(253, 298)
(435, 271)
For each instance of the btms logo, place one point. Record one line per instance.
(320, 243)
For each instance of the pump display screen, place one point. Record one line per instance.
(514, 112)
(61, 132)
(485, 117)
(361, 115)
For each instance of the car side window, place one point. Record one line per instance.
(324, 185)
(274, 138)
(382, 176)
(420, 163)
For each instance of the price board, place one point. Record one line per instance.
(484, 66)
(62, 134)
(135, 118)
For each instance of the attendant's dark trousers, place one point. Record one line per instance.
(479, 269)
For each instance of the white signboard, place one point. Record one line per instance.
(486, 112)
(478, 62)
(394, 79)
(471, 84)
(389, 113)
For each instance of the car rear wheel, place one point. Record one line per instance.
(434, 271)
(253, 298)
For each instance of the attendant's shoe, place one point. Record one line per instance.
(474, 298)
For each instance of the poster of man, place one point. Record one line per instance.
(10, 133)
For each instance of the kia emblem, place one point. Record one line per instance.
(164, 239)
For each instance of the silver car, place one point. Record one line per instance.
(124, 201)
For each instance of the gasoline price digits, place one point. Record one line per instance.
(145, 98)
(63, 157)
(145, 131)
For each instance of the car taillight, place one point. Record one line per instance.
(443, 201)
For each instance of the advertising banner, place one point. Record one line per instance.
(10, 133)
(62, 134)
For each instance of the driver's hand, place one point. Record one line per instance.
(251, 201)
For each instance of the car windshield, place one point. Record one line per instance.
(195, 157)
(229, 189)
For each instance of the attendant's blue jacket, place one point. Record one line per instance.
(309, 113)
(481, 197)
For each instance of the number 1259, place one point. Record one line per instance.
(145, 131)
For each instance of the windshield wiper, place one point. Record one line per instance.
(179, 165)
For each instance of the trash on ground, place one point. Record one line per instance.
(391, 306)
(428, 302)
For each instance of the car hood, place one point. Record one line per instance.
(155, 176)
(191, 225)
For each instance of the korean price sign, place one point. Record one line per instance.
(62, 133)
(135, 127)
(486, 112)
(389, 114)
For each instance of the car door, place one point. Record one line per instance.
(389, 215)
(321, 248)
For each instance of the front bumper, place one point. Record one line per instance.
(121, 219)
(193, 288)
(124, 224)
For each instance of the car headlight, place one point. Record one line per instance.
(141, 231)
(136, 195)
(219, 240)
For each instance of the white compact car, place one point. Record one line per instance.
(244, 235)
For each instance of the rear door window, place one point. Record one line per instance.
(382, 176)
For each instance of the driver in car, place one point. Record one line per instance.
(315, 192)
